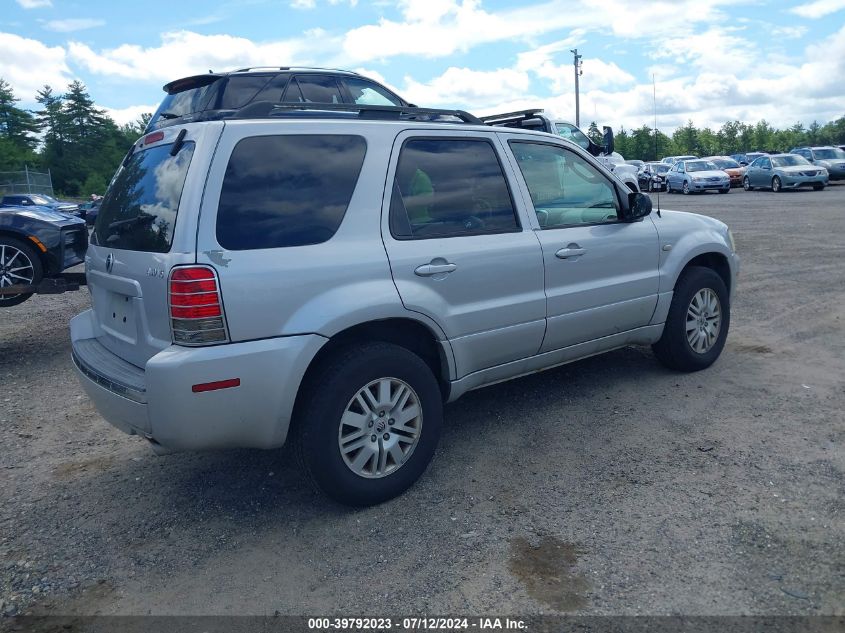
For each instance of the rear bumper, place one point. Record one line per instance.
(158, 403)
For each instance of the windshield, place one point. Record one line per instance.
(660, 168)
(725, 163)
(138, 212)
(572, 133)
(40, 200)
(701, 165)
(789, 161)
(828, 154)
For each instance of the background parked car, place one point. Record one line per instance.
(748, 158)
(639, 164)
(697, 175)
(728, 165)
(784, 171)
(216, 95)
(36, 242)
(671, 160)
(829, 157)
(653, 176)
(38, 199)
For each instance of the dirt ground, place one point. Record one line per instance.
(609, 486)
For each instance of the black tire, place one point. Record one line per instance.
(746, 184)
(686, 189)
(728, 190)
(324, 402)
(776, 188)
(34, 261)
(673, 349)
(818, 187)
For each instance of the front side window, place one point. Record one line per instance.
(766, 163)
(138, 212)
(566, 189)
(289, 190)
(450, 188)
(313, 89)
(368, 93)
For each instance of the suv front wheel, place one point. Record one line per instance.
(369, 423)
(697, 325)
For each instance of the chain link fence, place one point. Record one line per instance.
(26, 181)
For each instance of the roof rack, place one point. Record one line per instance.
(492, 119)
(269, 109)
(334, 70)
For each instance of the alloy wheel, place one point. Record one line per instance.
(704, 320)
(380, 428)
(15, 268)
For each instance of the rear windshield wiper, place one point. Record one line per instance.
(138, 219)
(168, 115)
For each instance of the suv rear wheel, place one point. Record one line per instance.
(370, 423)
(698, 321)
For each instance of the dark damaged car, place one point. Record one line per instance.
(36, 243)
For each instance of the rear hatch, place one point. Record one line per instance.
(146, 225)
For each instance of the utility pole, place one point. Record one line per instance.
(576, 61)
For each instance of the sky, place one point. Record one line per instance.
(708, 61)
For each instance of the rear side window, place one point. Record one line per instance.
(287, 190)
(138, 212)
(240, 90)
(449, 188)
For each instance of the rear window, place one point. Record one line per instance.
(283, 191)
(138, 212)
(185, 102)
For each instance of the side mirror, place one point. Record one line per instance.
(743, 163)
(608, 140)
(639, 206)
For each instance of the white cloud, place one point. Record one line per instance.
(72, 24)
(467, 87)
(183, 53)
(818, 9)
(130, 114)
(19, 59)
(35, 4)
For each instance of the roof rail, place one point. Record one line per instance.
(247, 69)
(268, 109)
(490, 119)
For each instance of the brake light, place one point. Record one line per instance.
(196, 306)
(155, 137)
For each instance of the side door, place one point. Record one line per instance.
(601, 272)
(763, 173)
(460, 249)
(672, 177)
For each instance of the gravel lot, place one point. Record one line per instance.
(610, 486)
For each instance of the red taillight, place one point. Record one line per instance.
(196, 307)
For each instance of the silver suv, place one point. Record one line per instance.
(335, 277)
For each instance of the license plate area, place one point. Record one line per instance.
(119, 317)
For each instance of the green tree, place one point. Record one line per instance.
(594, 134)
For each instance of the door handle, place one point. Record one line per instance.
(428, 270)
(573, 250)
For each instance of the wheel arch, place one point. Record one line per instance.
(406, 332)
(718, 262)
(23, 237)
